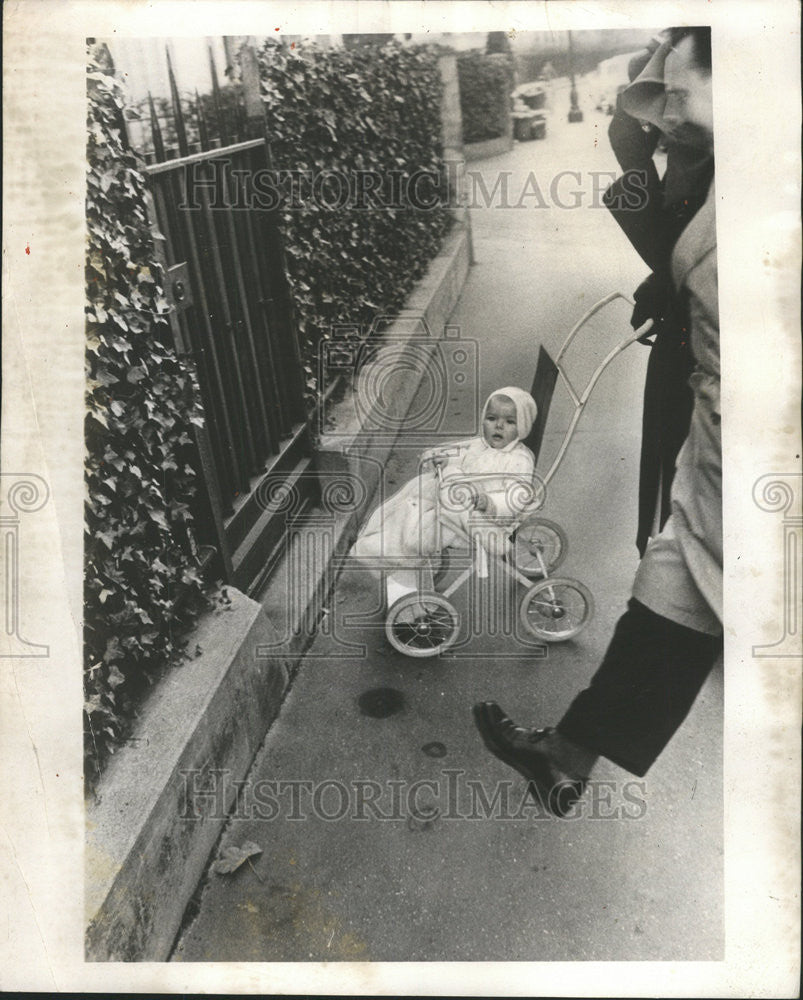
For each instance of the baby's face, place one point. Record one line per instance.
(499, 426)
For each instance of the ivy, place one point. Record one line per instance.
(485, 85)
(142, 581)
(352, 112)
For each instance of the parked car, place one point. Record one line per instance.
(530, 110)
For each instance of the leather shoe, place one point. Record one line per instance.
(518, 748)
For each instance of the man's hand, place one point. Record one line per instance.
(651, 301)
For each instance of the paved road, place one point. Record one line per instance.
(425, 865)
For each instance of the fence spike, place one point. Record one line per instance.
(181, 131)
(202, 129)
(156, 132)
(223, 131)
(242, 122)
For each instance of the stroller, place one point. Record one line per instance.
(425, 623)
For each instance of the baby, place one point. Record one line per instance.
(478, 474)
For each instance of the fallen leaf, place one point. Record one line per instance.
(231, 858)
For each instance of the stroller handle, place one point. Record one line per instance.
(587, 316)
(580, 399)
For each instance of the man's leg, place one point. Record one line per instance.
(651, 674)
(653, 670)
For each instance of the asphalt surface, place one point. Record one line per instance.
(393, 835)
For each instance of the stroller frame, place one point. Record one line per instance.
(555, 608)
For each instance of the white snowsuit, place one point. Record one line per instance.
(401, 533)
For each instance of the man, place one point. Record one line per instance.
(666, 205)
(670, 636)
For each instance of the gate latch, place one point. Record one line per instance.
(180, 289)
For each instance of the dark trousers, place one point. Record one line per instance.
(647, 682)
(665, 423)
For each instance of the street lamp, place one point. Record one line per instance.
(575, 114)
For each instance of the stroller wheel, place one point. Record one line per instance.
(422, 624)
(539, 537)
(556, 609)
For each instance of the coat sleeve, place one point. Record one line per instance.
(511, 491)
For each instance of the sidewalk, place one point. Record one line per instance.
(376, 846)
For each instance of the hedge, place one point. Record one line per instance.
(485, 85)
(142, 584)
(349, 112)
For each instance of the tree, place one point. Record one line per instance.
(498, 41)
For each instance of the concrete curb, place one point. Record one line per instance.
(163, 800)
(151, 828)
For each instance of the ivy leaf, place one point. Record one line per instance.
(158, 517)
(113, 651)
(105, 378)
(115, 678)
(92, 705)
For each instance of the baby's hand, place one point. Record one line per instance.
(436, 458)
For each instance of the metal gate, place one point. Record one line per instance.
(232, 313)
